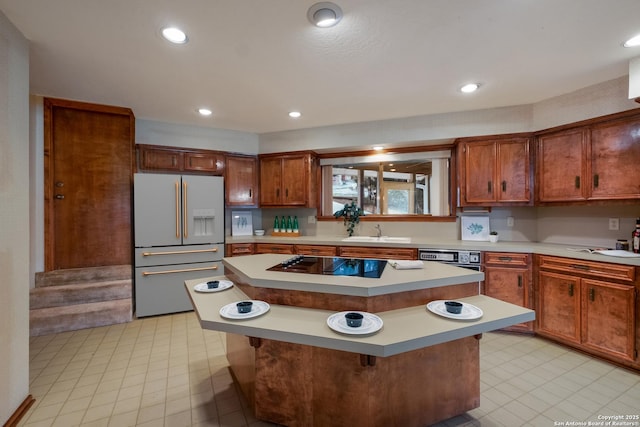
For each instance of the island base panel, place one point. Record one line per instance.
(301, 385)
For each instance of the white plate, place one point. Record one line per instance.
(202, 287)
(230, 311)
(469, 311)
(370, 323)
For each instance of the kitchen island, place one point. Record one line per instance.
(294, 369)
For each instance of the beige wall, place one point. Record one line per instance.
(14, 215)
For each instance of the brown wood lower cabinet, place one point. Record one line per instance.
(316, 250)
(508, 277)
(274, 248)
(238, 249)
(584, 310)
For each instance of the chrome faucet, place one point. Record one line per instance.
(379, 230)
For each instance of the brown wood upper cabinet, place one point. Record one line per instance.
(180, 160)
(494, 171)
(288, 180)
(595, 161)
(241, 180)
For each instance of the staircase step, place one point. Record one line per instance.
(62, 295)
(83, 275)
(52, 320)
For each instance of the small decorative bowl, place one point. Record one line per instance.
(244, 306)
(213, 284)
(354, 320)
(259, 232)
(453, 307)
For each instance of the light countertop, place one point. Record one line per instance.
(421, 242)
(403, 330)
(253, 269)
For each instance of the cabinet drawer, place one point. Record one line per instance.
(273, 248)
(579, 267)
(318, 250)
(379, 253)
(506, 258)
(237, 249)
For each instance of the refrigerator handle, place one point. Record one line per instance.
(185, 219)
(177, 210)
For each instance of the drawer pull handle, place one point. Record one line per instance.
(505, 258)
(580, 267)
(151, 273)
(195, 251)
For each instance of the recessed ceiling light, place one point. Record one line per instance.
(174, 35)
(632, 42)
(378, 147)
(470, 87)
(324, 14)
(295, 114)
(204, 111)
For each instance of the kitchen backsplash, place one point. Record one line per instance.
(571, 225)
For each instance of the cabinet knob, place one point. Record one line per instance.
(59, 196)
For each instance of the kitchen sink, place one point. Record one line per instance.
(383, 239)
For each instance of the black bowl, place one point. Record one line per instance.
(244, 306)
(453, 307)
(354, 320)
(213, 284)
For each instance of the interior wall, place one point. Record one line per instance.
(14, 211)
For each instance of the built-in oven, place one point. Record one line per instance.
(459, 258)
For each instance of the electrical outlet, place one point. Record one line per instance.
(614, 224)
(510, 221)
(311, 219)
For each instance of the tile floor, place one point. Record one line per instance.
(166, 371)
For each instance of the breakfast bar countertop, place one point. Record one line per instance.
(404, 329)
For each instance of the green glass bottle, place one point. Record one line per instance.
(289, 225)
(276, 225)
(296, 226)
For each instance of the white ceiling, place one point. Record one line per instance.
(252, 61)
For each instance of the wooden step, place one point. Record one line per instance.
(57, 296)
(50, 320)
(83, 275)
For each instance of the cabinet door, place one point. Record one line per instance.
(294, 180)
(561, 163)
(203, 162)
(480, 161)
(559, 306)
(608, 318)
(615, 161)
(513, 171)
(270, 181)
(241, 181)
(506, 284)
(160, 159)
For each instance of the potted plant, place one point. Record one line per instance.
(351, 215)
(493, 236)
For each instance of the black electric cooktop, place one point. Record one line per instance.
(332, 266)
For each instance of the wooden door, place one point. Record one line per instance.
(561, 166)
(559, 306)
(608, 318)
(241, 181)
(615, 160)
(513, 171)
(295, 180)
(270, 181)
(480, 169)
(88, 181)
(506, 284)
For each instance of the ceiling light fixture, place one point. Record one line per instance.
(174, 35)
(205, 111)
(632, 42)
(378, 147)
(470, 87)
(295, 114)
(324, 14)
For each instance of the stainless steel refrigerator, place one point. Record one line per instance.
(179, 235)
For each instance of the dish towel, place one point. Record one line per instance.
(401, 264)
